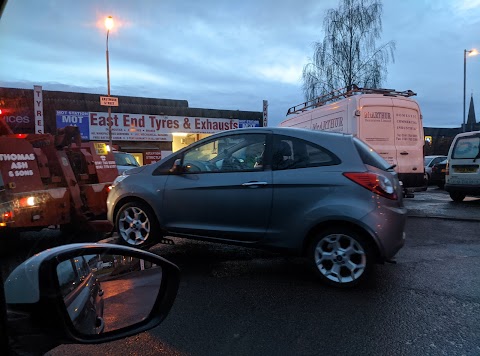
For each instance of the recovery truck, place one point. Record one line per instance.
(56, 180)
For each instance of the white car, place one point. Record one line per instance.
(124, 161)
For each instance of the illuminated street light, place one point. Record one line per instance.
(109, 26)
(472, 52)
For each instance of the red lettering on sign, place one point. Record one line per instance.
(93, 119)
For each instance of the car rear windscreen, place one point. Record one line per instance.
(467, 147)
(370, 156)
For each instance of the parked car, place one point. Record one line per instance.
(124, 161)
(437, 175)
(463, 171)
(429, 162)
(327, 196)
(82, 294)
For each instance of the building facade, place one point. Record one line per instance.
(149, 128)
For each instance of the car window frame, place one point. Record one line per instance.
(166, 168)
(335, 160)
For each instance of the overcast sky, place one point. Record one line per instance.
(231, 54)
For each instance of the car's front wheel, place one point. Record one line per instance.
(341, 257)
(457, 197)
(137, 225)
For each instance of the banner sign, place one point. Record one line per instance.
(248, 123)
(141, 127)
(75, 118)
(265, 113)
(152, 157)
(38, 109)
(20, 120)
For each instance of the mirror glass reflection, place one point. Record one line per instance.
(108, 292)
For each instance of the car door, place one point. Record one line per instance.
(305, 177)
(220, 191)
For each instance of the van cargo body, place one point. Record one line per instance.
(388, 121)
(463, 167)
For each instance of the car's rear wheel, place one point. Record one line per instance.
(457, 197)
(137, 225)
(341, 257)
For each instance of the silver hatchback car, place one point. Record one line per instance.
(326, 196)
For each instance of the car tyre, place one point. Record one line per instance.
(457, 197)
(137, 225)
(341, 257)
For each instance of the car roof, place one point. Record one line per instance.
(293, 131)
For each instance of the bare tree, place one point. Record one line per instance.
(348, 55)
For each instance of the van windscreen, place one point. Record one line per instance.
(467, 147)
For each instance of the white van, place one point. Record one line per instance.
(387, 120)
(463, 169)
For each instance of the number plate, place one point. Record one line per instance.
(465, 169)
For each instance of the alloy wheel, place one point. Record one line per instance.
(340, 258)
(134, 226)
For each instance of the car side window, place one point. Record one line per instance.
(233, 153)
(294, 153)
(437, 160)
(67, 277)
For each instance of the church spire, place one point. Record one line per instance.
(471, 121)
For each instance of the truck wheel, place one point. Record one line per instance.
(341, 257)
(457, 197)
(137, 225)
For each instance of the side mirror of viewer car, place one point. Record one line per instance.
(87, 293)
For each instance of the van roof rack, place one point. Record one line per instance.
(341, 93)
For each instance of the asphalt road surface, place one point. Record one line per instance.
(130, 298)
(236, 301)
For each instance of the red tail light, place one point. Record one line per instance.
(376, 183)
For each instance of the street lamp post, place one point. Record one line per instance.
(471, 52)
(109, 26)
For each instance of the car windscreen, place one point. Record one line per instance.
(125, 159)
(369, 156)
(467, 147)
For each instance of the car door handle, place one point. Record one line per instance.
(404, 153)
(251, 184)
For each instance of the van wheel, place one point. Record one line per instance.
(137, 225)
(341, 257)
(457, 197)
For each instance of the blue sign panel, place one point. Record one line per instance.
(248, 123)
(75, 118)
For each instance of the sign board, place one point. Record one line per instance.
(152, 157)
(108, 101)
(38, 109)
(74, 118)
(248, 123)
(100, 148)
(265, 113)
(143, 127)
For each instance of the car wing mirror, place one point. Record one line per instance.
(177, 167)
(88, 293)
